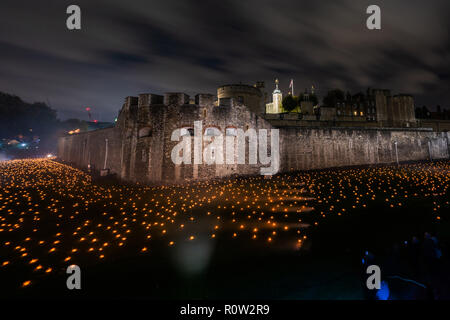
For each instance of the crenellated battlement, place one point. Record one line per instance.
(148, 99)
(140, 146)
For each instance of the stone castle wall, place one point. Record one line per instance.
(89, 148)
(303, 149)
(139, 146)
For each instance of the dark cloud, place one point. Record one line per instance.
(130, 47)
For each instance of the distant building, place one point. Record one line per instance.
(355, 108)
(375, 108)
(307, 106)
(277, 98)
(392, 111)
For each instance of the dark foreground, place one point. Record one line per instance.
(296, 236)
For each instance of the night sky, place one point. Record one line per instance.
(137, 46)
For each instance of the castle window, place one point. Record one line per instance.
(204, 113)
(240, 99)
(212, 131)
(145, 132)
(187, 132)
(225, 102)
(143, 155)
(231, 132)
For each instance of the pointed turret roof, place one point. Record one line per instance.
(277, 90)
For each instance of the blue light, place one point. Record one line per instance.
(383, 293)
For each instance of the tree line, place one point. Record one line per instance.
(32, 122)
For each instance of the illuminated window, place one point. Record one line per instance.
(361, 113)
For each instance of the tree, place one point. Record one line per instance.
(31, 122)
(18, 117)
(289, 103)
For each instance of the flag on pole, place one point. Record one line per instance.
(291, 86)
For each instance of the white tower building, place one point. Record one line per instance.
(277, 97)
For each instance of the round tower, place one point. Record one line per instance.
(250, 96)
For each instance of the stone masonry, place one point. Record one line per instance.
(138, 148)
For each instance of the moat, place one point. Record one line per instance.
(294, 236)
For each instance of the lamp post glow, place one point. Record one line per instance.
(396, 151)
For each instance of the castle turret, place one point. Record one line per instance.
(248, 95)
(277, 97)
